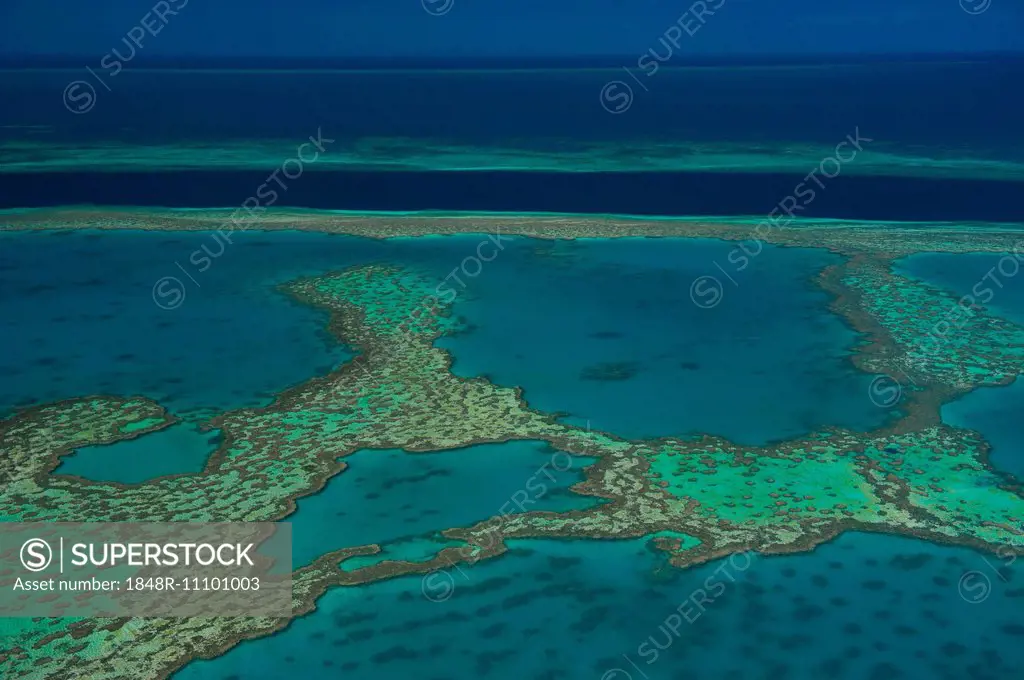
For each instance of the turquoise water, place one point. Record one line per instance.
(996, 413)
(994, 280)
(386, 496)
(864, 606)
(90, 326)
(180, 448)
(416, 549)
(768, 362)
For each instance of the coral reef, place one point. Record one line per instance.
(701, 498)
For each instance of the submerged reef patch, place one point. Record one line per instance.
(699, 498)
(610, 371)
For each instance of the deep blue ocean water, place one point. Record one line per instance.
(907, 107)
(996, 281)
(907, 104)
(635, 193)
(863, 606)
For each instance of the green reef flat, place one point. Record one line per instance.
(38, 153)
(699, 498)
(838, 235)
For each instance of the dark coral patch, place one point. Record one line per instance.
(612, 371)
(910, 562)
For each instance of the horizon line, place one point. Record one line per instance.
(413, 63)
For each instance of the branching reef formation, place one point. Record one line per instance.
(700, 499)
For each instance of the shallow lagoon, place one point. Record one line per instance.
(180, 448)
(603, 331)
(393, 497)
(609, 332)
(862, 606)
(540, 316)
(995, 412)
